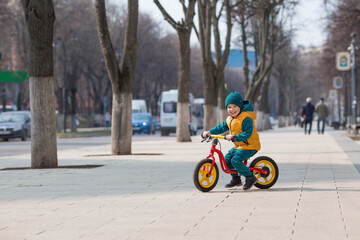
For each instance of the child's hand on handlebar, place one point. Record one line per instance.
(205, 134)
(228, 137)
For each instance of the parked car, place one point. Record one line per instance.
(8, 108)
(15, 124)
(143, 123)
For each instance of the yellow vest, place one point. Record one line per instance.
(235, 127)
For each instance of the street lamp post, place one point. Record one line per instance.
(352, 49)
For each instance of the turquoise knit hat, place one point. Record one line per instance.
(234, 98)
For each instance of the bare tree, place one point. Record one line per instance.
(40, 17)
(121, 77)
(283, 40)
(221, 55)
(344, 20)
(158, 62)
(286, 72)
(91, 61)
(5, 21)
(14, 40)
(265, 13)
(68, 55)
(213, 71)
(183, 30)
(261, 27)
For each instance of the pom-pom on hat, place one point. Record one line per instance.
(234, 98)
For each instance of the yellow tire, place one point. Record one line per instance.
(202, 180)
(265, 180)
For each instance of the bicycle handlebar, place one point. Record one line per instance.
(217, 136)
(209, 137)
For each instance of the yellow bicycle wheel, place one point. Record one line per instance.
(204, 181)
(269, 179)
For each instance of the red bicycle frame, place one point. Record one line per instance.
(223, 162)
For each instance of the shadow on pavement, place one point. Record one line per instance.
(70, 166)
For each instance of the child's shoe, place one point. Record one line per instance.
(249, 182)
(235, 181)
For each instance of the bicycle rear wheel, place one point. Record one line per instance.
(202, 180)
(265, 180)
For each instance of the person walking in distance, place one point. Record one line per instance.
(307, 113)
(322, 112)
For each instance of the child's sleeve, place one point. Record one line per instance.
(247, 127)
(221, 128)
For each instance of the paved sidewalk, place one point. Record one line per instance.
(150, 194)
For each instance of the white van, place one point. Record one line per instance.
(139, 106)
(168, 105)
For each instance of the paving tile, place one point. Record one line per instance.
(153, 197)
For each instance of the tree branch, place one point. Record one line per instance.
(167, 17)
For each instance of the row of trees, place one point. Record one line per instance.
(299, 73)
(343, 20)
(121, 72)
(78, 63)
(261, 24)
(79, 67)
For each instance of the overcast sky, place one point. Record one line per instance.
(308, 22)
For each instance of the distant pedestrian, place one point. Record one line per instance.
(307, 113)
(322, 112)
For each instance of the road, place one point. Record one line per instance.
(18, 147)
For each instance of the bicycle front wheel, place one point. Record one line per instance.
(265, 180)
(204, 181)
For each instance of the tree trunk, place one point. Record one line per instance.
(222, 97)
(182, 121)
(40, 17)
(283, 92)
(263, 119)
(284, 121)
(43, 123)
(73, 109)
(121, 79)
(210, 106)
(121, 123)
(184, 31)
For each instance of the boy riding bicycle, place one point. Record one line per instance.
(243, 133)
